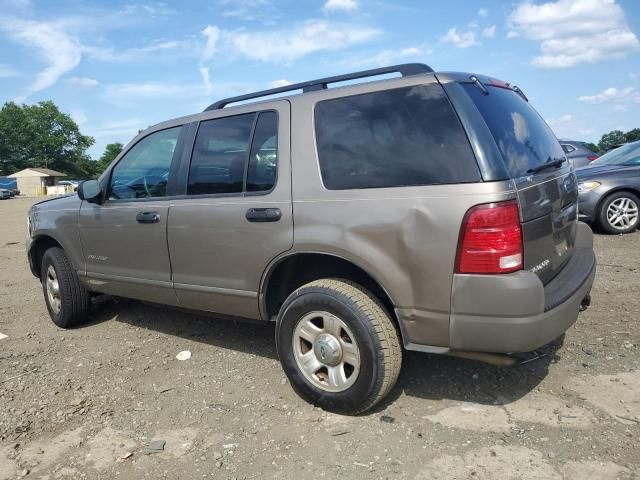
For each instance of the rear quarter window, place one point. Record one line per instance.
(401, 137)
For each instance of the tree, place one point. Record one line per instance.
(42, 136)
(610, 139)
(111, 151)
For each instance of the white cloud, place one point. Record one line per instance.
(483, 12)
(286, 45)
(80, 117)
(571, 32)
(152, 90)
(389, 57)
(212, 34)
(83, 82)
(60, 51)
(489, 32)
(206, 79)
(459, 40)
(279, 83)
(622, 96)
(248, 10)
(346, 5)
(122, 130)
(135, 53)
(7, 71)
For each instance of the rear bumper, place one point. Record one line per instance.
(515, 312)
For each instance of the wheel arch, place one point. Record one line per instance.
(295, 269)
(39, 245)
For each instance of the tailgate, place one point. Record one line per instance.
(545, 183)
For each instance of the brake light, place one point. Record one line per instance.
(591, 158)
(490, 239)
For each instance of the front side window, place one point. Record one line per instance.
(229, 150)
(401, 137)
(143, 172)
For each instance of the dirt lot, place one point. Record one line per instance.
(72, 402)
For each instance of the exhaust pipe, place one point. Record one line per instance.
(586, 301)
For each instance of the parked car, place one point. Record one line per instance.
(578, 154)
(5, 194)
(433, 211)
(71, 183)
(610, 190)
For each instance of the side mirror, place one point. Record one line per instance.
(90, 191)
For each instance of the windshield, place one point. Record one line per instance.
(625, 155)
(524, 139)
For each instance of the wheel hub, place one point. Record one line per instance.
(327, 349)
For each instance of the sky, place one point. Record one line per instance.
(120, 66)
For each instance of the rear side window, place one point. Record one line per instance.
(220, 154)
(568, 148)
(524, 139)
(401, 137)
(228, 150)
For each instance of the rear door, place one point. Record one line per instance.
(546, 188)
(235, 214)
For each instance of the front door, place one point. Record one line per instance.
(236, 214)
(125, 238)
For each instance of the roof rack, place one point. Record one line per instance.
(406, 70)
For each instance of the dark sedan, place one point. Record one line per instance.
(609, 190)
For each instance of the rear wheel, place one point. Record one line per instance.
(337, 345)
(68, 301)
(619, 213)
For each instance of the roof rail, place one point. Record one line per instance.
(406, 70)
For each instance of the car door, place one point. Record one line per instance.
(235, 215)
(125, 237)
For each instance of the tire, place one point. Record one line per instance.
(72, 304)
(365, 341)
(609, 216)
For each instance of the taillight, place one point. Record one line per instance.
(491, 239)
(591, 158)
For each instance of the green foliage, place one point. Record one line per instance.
(111, 151)
(616, 137)
(592, 146)
(41, 136)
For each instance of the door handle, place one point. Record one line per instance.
(263, 214)
(147, 217)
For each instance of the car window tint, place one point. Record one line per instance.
(522, 136)
(143, 171)
(263, 162)
(626, 155)
(568, 148)
(400, 137)
(220, 155)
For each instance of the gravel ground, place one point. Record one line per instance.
(72, 402)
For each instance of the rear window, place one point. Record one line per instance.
(400, 137)
(524, 139)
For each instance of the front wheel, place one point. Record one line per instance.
(619, 213)
(338, 346)
(68, 301)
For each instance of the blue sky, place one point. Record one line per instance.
(119, 66)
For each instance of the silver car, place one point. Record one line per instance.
(433, 212)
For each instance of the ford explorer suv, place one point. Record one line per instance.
(428, 211)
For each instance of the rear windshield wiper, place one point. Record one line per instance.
(553, 163)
